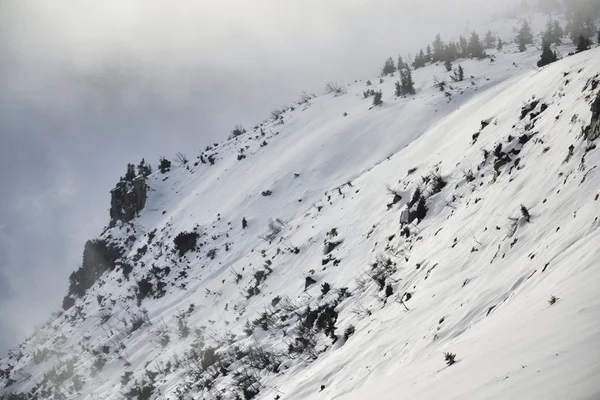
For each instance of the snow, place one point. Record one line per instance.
(477, 288)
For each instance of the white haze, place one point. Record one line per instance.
(89, 85)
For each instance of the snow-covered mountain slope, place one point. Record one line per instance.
(325, 294)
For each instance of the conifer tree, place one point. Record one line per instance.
(408, 85)
(377, 98)
(448, 65)
(557, 33)
(525, 36)
(130, 175)
(548, 56)
(400, 63)
(475, 47)
(500, 44)
(464, 47)
(399, 92)
(428, 54)
(389, 67)
(583, 44)
(490, 40)
(144, 169)
(522, 44)
(459, 74)
(438, 49)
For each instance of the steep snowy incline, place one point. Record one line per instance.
(479, 284)
(276, 265)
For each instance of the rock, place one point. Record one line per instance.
(128, 198)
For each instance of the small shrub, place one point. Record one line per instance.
(99, 364)
(164, 166)
(126, 377)
(144, 289)
(553, 300)
(78, 383)
(141, 391)
(238, 130)
(325, 288)
(349, 332)
(181, 159)
(436, 183)
(185, 241)
(40, 356)
(136, 322)
(450, 358)
(333, 87)
(525, 213)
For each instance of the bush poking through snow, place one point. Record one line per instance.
(333, 87)
(381, 270)
(525, 213)
(553, 300)
(450, 358)
(164, 166)
(181, 159)
(436, 183)
(185, 241)
(141, 391)
(275, 228)
(349, 332)
(238, 130)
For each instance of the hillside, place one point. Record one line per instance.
(298, 276)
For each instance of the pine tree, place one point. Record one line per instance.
(422, 58)
(598, 40)
(419, 61)
(525, 35)
(490, 40)
(130, 175)
(500, 44)
(389, 67)
(438, 48)
(548, 56)
(408, 83)
(448, 65)
(399, 92)
(428, 53)
(144, 169)
(475, 46)
(557, 33)
(377, 99)
(522, 45)
(583, 44)
(464, 47)
(400, 63)
(459, 74)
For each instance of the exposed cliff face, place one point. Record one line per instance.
(99, 256)
(593, 131)
(128, 198)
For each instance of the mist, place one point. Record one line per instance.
(89, 85)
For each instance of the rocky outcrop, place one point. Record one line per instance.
(128, 198)
(593, 130)
(99, 256)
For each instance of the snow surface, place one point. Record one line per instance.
(479, 281)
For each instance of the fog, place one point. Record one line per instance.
(89, 85)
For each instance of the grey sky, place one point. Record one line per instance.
(89, 85)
